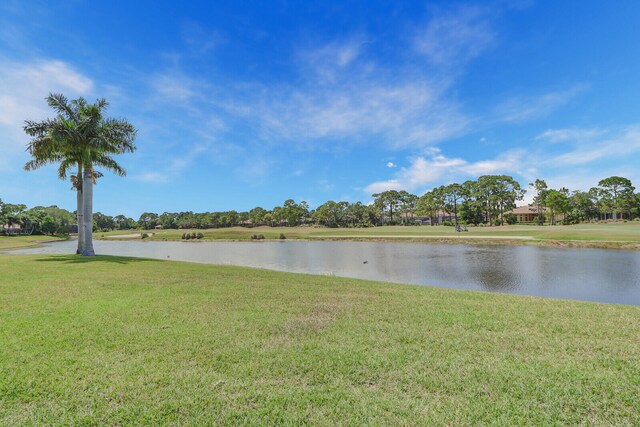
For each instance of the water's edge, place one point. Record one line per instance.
(598, 275)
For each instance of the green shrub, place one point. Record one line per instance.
(193, 235)
(260, 236)
(510, 219)
(448, 223)
(199, 236)
(187, 236)
(145, 235)
(282, 236)
(184, 236)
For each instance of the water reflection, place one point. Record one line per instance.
(582, 274)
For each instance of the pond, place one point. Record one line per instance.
(611, 276)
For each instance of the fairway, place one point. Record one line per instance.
(121, 341)
(605, 235)
(22, 242)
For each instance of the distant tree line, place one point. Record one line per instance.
(17, 219)
(486, 200)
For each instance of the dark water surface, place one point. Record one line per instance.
(582, 274)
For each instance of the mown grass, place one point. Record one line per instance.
(598, 234)
(21, 242)
(121, 341)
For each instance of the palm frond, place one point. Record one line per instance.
(78, 136)
(65, 166)
(108, 162)
(60, 104)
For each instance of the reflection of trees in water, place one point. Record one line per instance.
(498, 272)
(588, 274)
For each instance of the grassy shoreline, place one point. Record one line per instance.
(609, 236)
(113, 340)
(24, 242)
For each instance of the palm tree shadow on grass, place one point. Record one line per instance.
(78, 259)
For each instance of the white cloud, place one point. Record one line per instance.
(152, 177)
(174, 87)
(614, 154)
(435, 167)
(199, 39)
(326, 62)
(23, 88)
(421, 172)
(379, 187)
(391, 165)
(507, 162)
(342, 96)
(405, 112)
(524, 108)
(624, 143)
(569, 134)
(174, 168)
(456, 37)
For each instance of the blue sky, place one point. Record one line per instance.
(247, 104)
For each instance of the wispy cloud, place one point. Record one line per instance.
(435, 167)
(605, 147)
(614, 145)
(152, 177)
(23, 88)
(404, 113)
(326, 63)
(510, 161)
(523, 108)
(456, 37)
(199, 39)
(173, 169)
(172, 87)
(569, 134)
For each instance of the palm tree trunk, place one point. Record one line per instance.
(87, 211)
(80, 221)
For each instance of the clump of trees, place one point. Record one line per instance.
(17, 219)
(487, 200)
(483, 201)
(612, 199)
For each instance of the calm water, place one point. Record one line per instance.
(582, 274)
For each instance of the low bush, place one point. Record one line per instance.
(145, 235)
(199, 236)
(510, 219)
(282, 236)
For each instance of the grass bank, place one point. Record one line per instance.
(122, 341)
(21, 242)
(609, 235)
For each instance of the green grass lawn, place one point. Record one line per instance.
(21, 242)
(120, 341)
(599, 234)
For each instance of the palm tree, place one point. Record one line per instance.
(79, 138)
